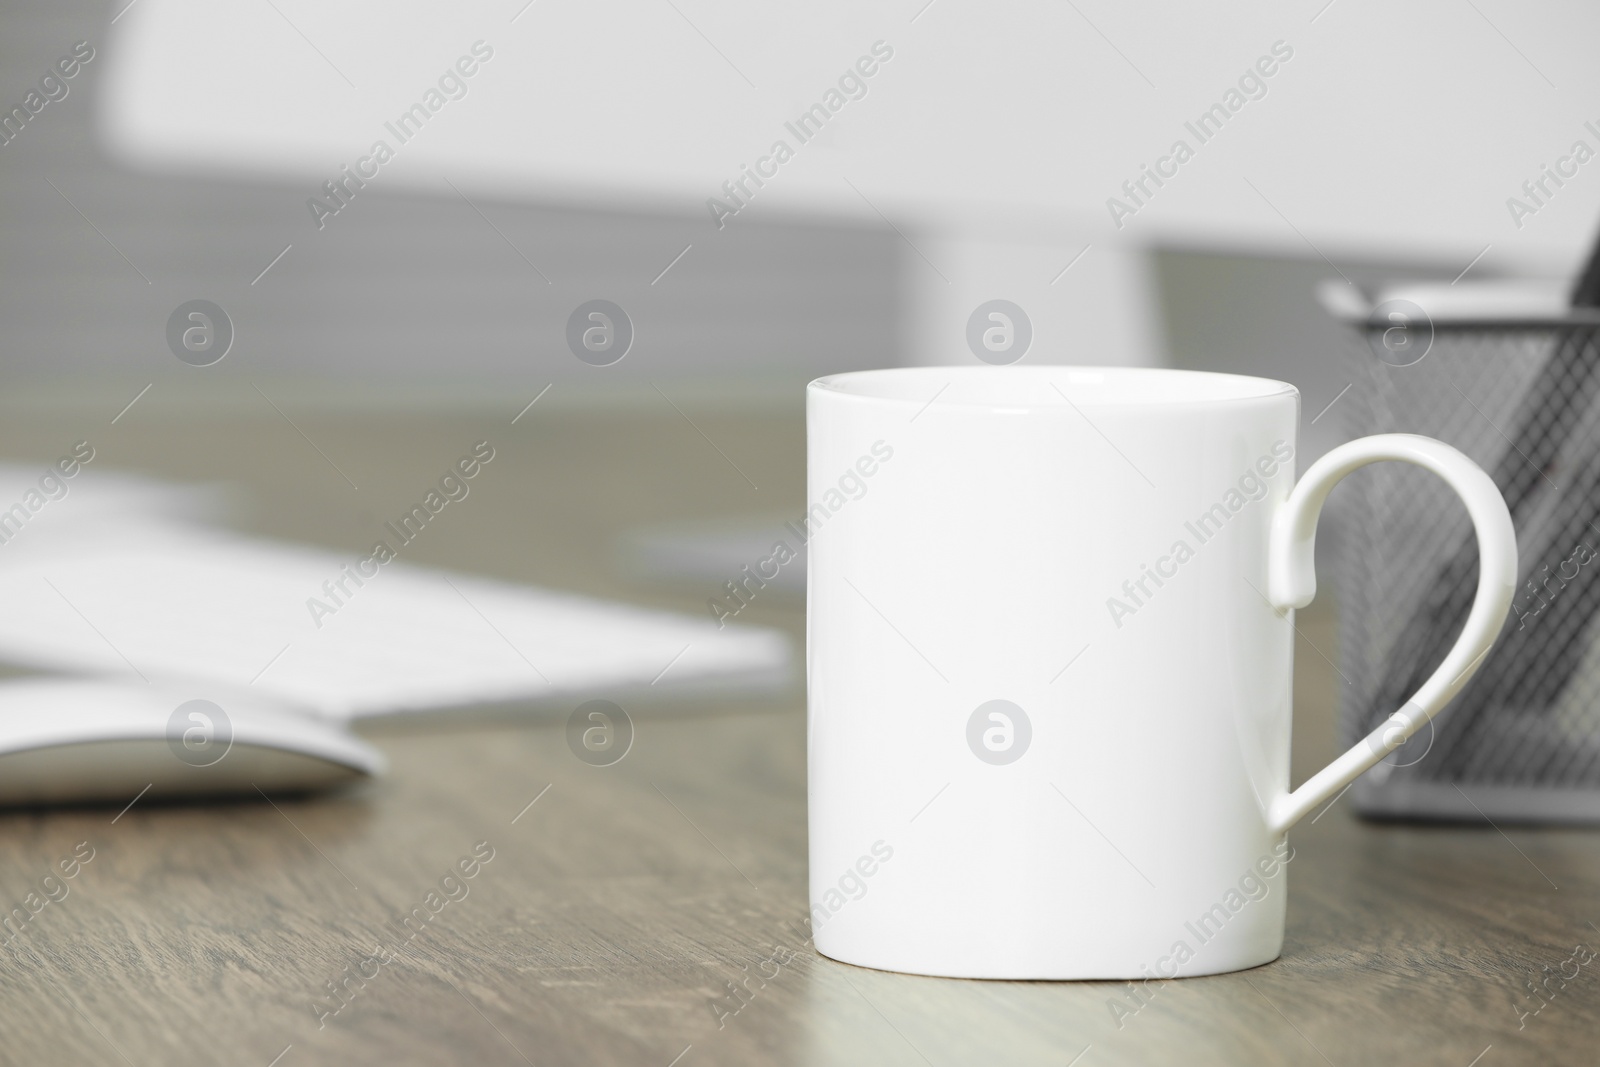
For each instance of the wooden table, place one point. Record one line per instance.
(617, 911)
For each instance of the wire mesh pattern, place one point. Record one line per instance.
(1522, 740)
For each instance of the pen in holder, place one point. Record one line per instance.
(1509, 373)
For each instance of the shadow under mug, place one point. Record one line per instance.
(1050, 637)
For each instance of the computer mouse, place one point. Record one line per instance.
(76, 741)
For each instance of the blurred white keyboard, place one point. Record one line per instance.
(141, 598)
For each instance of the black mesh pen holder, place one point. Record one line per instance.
(1511, 378)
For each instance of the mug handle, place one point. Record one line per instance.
(1292, 583)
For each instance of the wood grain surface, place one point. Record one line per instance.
(619, 910)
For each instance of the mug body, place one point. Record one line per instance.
(1048, 700)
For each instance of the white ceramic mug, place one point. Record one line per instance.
(1050, 637)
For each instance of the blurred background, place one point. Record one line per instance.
(978, 163)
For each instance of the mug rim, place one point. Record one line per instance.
(1099, 387)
